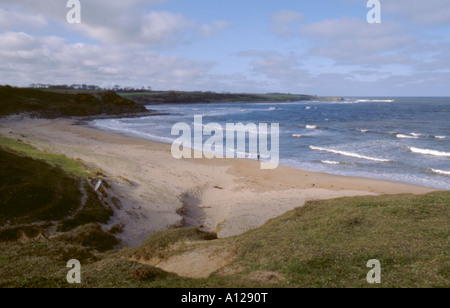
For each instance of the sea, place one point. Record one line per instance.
(401, 139)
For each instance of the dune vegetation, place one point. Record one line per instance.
(48, 104)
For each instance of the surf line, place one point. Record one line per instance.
(258, 142)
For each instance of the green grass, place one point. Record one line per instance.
(32, 179)
(159, 245)
(70, 166)
(90, 235)
(54, 104)
(324, 244)
(328, 243)
(32, 190)
(92, 211)
(37, 198)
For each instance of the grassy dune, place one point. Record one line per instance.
(69, 166)
(328, 243)
(48, 104)
(46, 197)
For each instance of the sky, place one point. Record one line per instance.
(323, 47)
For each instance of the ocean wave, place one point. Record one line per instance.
(402, 136)
(440, 171)
(350, 154)
(249, 128)
(374, 100)
(311, 127)
(330, 162)
(379, 132)
(429, 152)
(246, 154)
(297, 136)
(135, 132)
(440, 137)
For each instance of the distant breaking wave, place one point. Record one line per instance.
(330, 162)
(349, 154)
(429, 152)
(440, 171)
(402, 136)
(311, 126)
(374, 100)
(122, 129)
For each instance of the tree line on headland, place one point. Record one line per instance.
(116, 88)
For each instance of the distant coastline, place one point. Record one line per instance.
(62, 101)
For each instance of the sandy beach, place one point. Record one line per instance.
(156, 191)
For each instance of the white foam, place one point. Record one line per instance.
(308, 108)
(440, 137)
(374, 100)
(330, 162)
(124, 130)
(363, 130)
(350, 154)
(297, 136)
(311, 126)
(401, 136)
(440, 171)
(429, 152)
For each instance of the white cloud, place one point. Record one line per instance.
(284, 71)
(283, 22)
(430, 12)
(356, 42)
(339, 56)
(117, 21)
(25, 59)
(208, 30)
(13, 19)
(154, 29)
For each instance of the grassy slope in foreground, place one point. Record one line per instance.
(47, 104)
(44, 195)
(324, 244)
